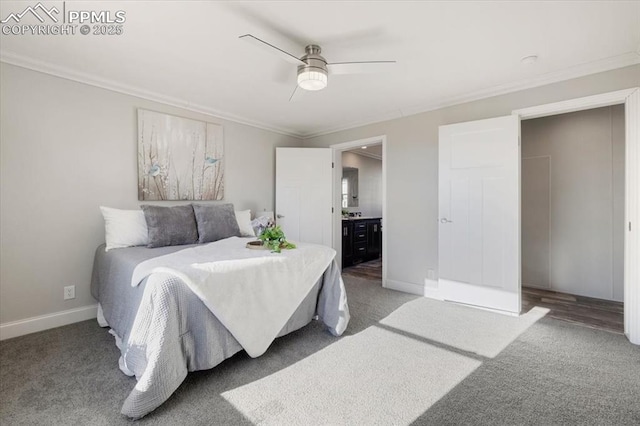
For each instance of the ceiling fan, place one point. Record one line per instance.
(313, 68)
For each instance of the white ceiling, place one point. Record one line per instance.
(373, 151)
(189, 54)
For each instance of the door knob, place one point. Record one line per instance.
(445, 220)
(279, 216)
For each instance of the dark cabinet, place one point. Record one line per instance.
(347, 243)
(359, 252)
(361, 241)
(374, 239)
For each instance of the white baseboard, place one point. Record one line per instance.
(498, 311)
(405, 287)
(429, 289)
(432, 289)
(45, 322)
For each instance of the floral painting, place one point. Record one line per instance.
(179, 158)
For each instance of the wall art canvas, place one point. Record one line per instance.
(179, 158)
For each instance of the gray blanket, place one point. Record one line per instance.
(165, 331)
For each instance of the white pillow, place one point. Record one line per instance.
(124, 228)
(244, 223)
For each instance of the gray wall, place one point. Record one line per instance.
(573, 202)
(67, 148)
(411, 228)
(369, 183)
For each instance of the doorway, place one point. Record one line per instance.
(359, 187)
(630, 98)
(572, 216)
(472, 143)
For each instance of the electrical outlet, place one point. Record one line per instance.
(70, 292)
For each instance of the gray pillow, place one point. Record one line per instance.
(215, 222)
(170, 226)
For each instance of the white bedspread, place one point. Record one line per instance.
(252, 292)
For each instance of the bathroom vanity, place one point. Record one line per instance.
(361, 240)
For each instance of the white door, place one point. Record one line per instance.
(479, 213)
(303, 194)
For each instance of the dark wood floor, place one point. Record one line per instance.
(371, 270)
(593, 313)
(586, 311)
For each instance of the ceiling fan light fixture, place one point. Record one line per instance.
(312, 79)
(313, 68)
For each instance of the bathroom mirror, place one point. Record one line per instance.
(349, 187)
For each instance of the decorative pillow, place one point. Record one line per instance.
(215, 222)
(244, 223)
(170, 226)
(261, 223)
(124, 228)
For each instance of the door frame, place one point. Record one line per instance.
(336, 152)
(630, 98)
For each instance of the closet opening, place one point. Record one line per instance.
(573, 216)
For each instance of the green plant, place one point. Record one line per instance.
(274, 238)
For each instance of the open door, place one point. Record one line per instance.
(303, 194)
(479, 213)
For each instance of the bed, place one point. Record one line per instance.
(164, 330)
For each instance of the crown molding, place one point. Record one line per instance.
(620, 61)
(13, 58)
(379, 118)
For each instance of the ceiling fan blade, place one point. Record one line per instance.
(365, 67)
(271, 48)
(297, 94)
